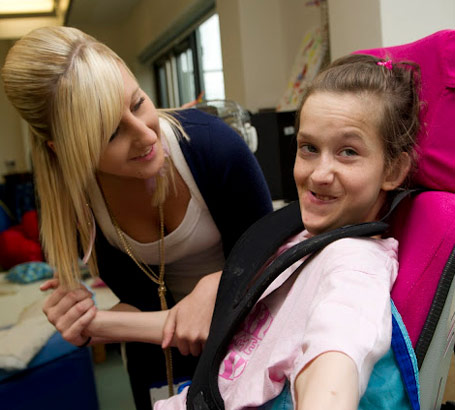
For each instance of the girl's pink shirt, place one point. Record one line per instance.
(339, 302)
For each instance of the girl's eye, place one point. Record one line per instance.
(348, 152)
(114, 134)
(138, 104)
(308, 148)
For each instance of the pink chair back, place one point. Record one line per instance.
(425, 225)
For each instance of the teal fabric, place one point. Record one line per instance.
(395, 377)
(380, 395)
(29, 272)
(406, 358)
(282, 402)
(387, 389)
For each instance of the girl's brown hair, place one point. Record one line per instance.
(395, 84)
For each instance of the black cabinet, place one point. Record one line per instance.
(18, 193)
(276, 151)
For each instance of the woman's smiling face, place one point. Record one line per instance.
(340, 167)
(135, 149)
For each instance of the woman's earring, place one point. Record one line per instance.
(92, 236)
(51, 145)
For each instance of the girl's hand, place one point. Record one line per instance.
(188, 323)
(69, 311)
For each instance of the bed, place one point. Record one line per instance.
(40, 370)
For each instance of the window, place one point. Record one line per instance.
(191, 67)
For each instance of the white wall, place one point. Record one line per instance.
(263, 53)
(353, 25)
(11, 134)
(260, 39)
(360, 24)
(405, 21)
(232, 49)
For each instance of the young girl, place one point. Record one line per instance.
(321, 326)
(166, 194)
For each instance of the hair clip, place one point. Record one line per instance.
(387, 64)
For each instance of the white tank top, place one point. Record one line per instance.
(192, 251)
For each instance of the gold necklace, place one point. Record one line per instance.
(158, 279)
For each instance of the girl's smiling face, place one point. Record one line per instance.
(340, 165)
(135, 149)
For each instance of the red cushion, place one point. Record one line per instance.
(29, 225)
(16, 248)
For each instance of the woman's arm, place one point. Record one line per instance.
(328, 382)
(131, 326)
(119, 307)
(224, 169)
(188, 323)
(75, 316)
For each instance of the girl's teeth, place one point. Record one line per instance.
(323, 197)
(148, 152)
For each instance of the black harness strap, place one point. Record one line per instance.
(240, 287)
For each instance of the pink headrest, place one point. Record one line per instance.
(425, 229)
(425, 225)
(435, 55)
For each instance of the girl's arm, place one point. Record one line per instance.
(127, 326)
(345, 335)
(328, 382)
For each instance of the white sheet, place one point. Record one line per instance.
(21, 309)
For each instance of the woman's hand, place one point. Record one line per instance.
(69, 311)
(188, 323)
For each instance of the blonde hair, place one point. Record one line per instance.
(68, 87)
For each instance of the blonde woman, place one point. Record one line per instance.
(152, 200)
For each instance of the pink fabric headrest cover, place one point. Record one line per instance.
(425, 225)
(435, 55)
(425, 229)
